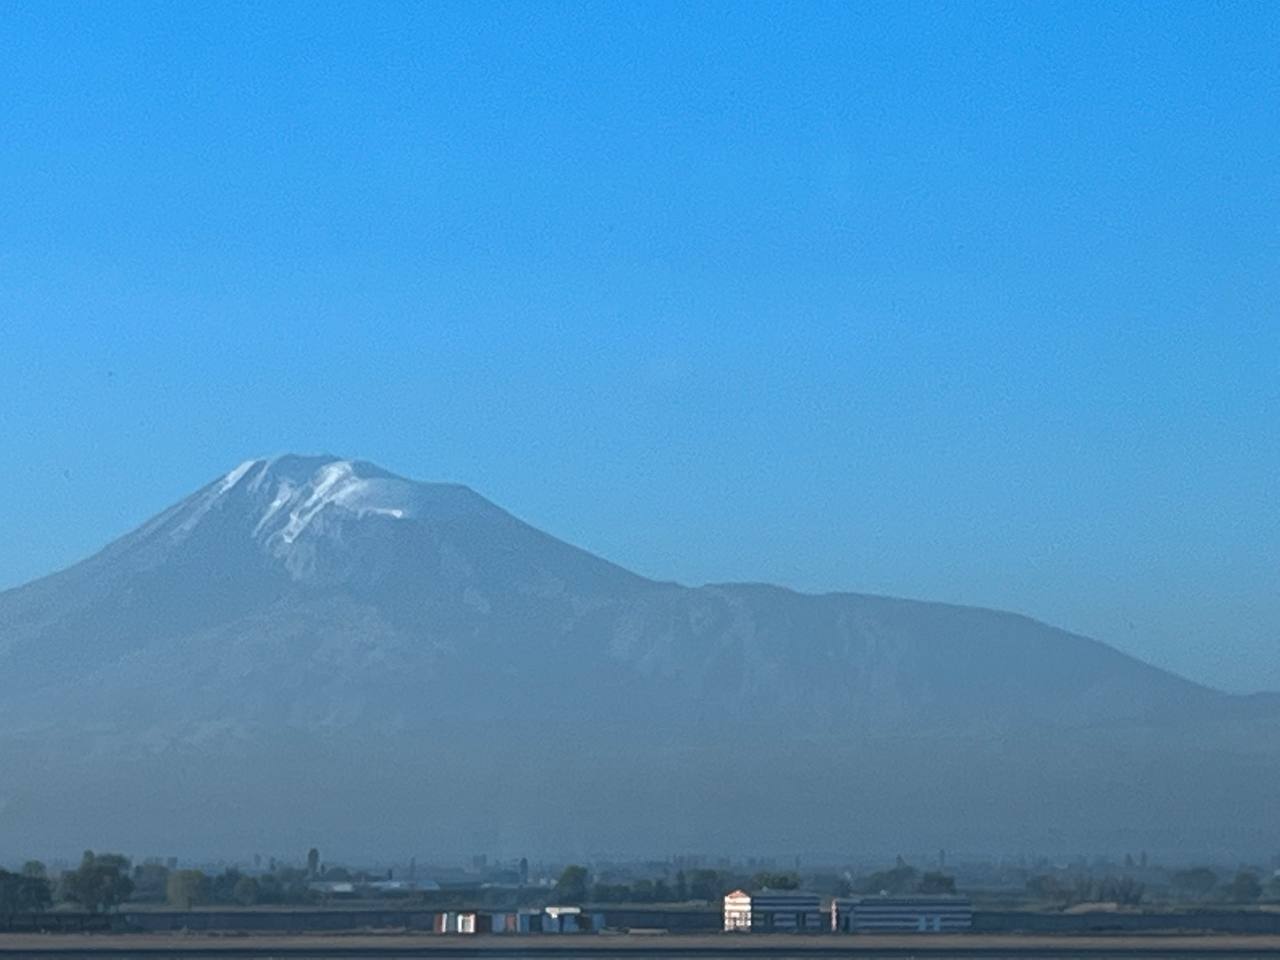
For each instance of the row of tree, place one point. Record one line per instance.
(100, 883)
(1197, 883)
(1065, 892)
(576, 885)
(904, 878)
(1202, 883)
(103, 881)
(24, 893)
(193, 888)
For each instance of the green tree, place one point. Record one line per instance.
(20, 893)
(245, 891)
(706, 885)
(936, 882)
(1245, 888)
(572, 885)
(1084, 890)
(313, 863)
(100, 883)
(611, 893)
(222, 887)
(283, 885)
(185, 888)
(36, 869)
(150, 882)
(776, 881)
(828, 884)
(270, 889)
(901, 879)
(682, 886)
(1046, 887)
(1122, 890)
(1195, 882)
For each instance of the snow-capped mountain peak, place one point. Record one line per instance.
(278, 499)
(339, 485)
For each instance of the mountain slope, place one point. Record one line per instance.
(302, 602)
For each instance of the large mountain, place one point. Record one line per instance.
(311, 647)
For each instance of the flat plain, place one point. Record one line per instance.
(628, 945)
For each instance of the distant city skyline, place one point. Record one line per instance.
(954, 303)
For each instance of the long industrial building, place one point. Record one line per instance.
(912, 914)
(782, 911)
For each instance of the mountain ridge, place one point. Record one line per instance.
(321, 600)
(324, 506)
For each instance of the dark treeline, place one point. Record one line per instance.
(1199, 885)
(103, 882)
(100, 883)
(25, 892)
(709, 886)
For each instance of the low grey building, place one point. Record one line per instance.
(910, 914)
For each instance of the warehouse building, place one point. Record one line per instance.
(884, 914)
(766, 910)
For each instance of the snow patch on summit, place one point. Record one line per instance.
(275, 501)
(283, 495)
(235, 476)
(336, 484)
(208, 500)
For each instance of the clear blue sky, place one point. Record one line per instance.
(957, 301)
